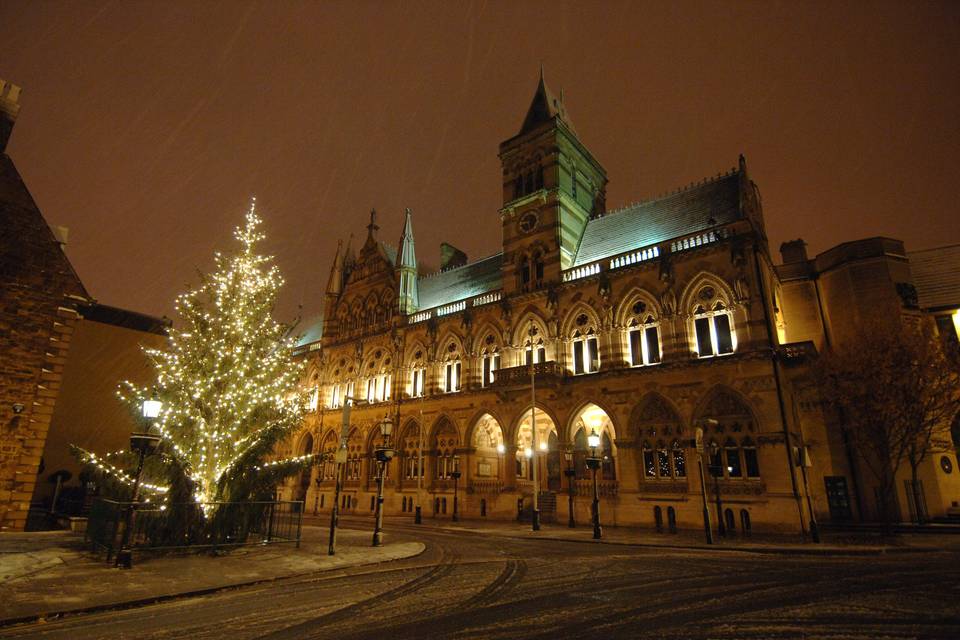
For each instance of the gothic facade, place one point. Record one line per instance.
(641, 325)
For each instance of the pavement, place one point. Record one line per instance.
(841, 543)
(45, 575)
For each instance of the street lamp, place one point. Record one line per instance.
(144, 443)
(383, 455)
(698, 443)
(455, 474)
(716, 470)
(593, 463)
(571, 474)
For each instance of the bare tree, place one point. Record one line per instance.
(894, 393)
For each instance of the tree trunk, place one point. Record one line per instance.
(918, 503)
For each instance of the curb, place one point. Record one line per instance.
(140, 602)
(809, 550)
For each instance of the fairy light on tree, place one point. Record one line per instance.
(227, 379)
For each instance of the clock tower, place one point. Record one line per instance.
(552, 186)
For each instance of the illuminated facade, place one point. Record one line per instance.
(641, 324)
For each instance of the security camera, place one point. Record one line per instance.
(18, 407)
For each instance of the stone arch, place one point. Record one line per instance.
(624, 310)
(569, 324)
(688, 299)
(470, 434)
(417, 344)
(653, 409)
(443, 420)
(519, 334)
(511, 434)
(489, 328)
(576, 417)
(305, 444)
(721, 401)
(443, 345)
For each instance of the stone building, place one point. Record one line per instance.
(641, 325)
(39, 297)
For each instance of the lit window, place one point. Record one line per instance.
(586, 353)
(336, 396)
(451, 376)
(491, 363)
(536, 352)
(417, 381)
(313, 399)
(644, 342)
(715, 336)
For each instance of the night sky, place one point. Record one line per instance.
(145, 127)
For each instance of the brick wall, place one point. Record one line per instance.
(39, 295)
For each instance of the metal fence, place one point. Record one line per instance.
(193, 525)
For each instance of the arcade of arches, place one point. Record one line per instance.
(648, 470)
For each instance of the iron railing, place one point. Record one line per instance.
(193, 525)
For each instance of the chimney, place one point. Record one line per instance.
(9, 108)
(793, 251)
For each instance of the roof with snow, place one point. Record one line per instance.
(474, 279)
(699, 207)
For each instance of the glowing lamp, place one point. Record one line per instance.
(151, 408)
(528, 452)
(501, 448)
(543, 446)
(593, 439)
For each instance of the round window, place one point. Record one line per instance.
(946, 464)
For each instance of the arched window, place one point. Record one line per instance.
(586, 348)
(451, 375)
(445, 445)
(491, 361)
(713, 327)
(643, 336)
(679, 460)
(379, 379)
(418, 374)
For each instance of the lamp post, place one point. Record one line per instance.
(535, 518)
(698, 443)
(716, 470)
(571, 474)
(144, 443)
(455, 474)
(593, 463)
(383, 454)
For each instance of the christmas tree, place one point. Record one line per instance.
(228, 383)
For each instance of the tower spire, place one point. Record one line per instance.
(408, 298)
(335, 282)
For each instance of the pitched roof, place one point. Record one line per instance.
(544, 107)
(118, 317)
(312, 331)
(640, 225)
(936, 275)
(460, 283)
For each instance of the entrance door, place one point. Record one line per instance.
(553, 463)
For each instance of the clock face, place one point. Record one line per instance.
(528, 222)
